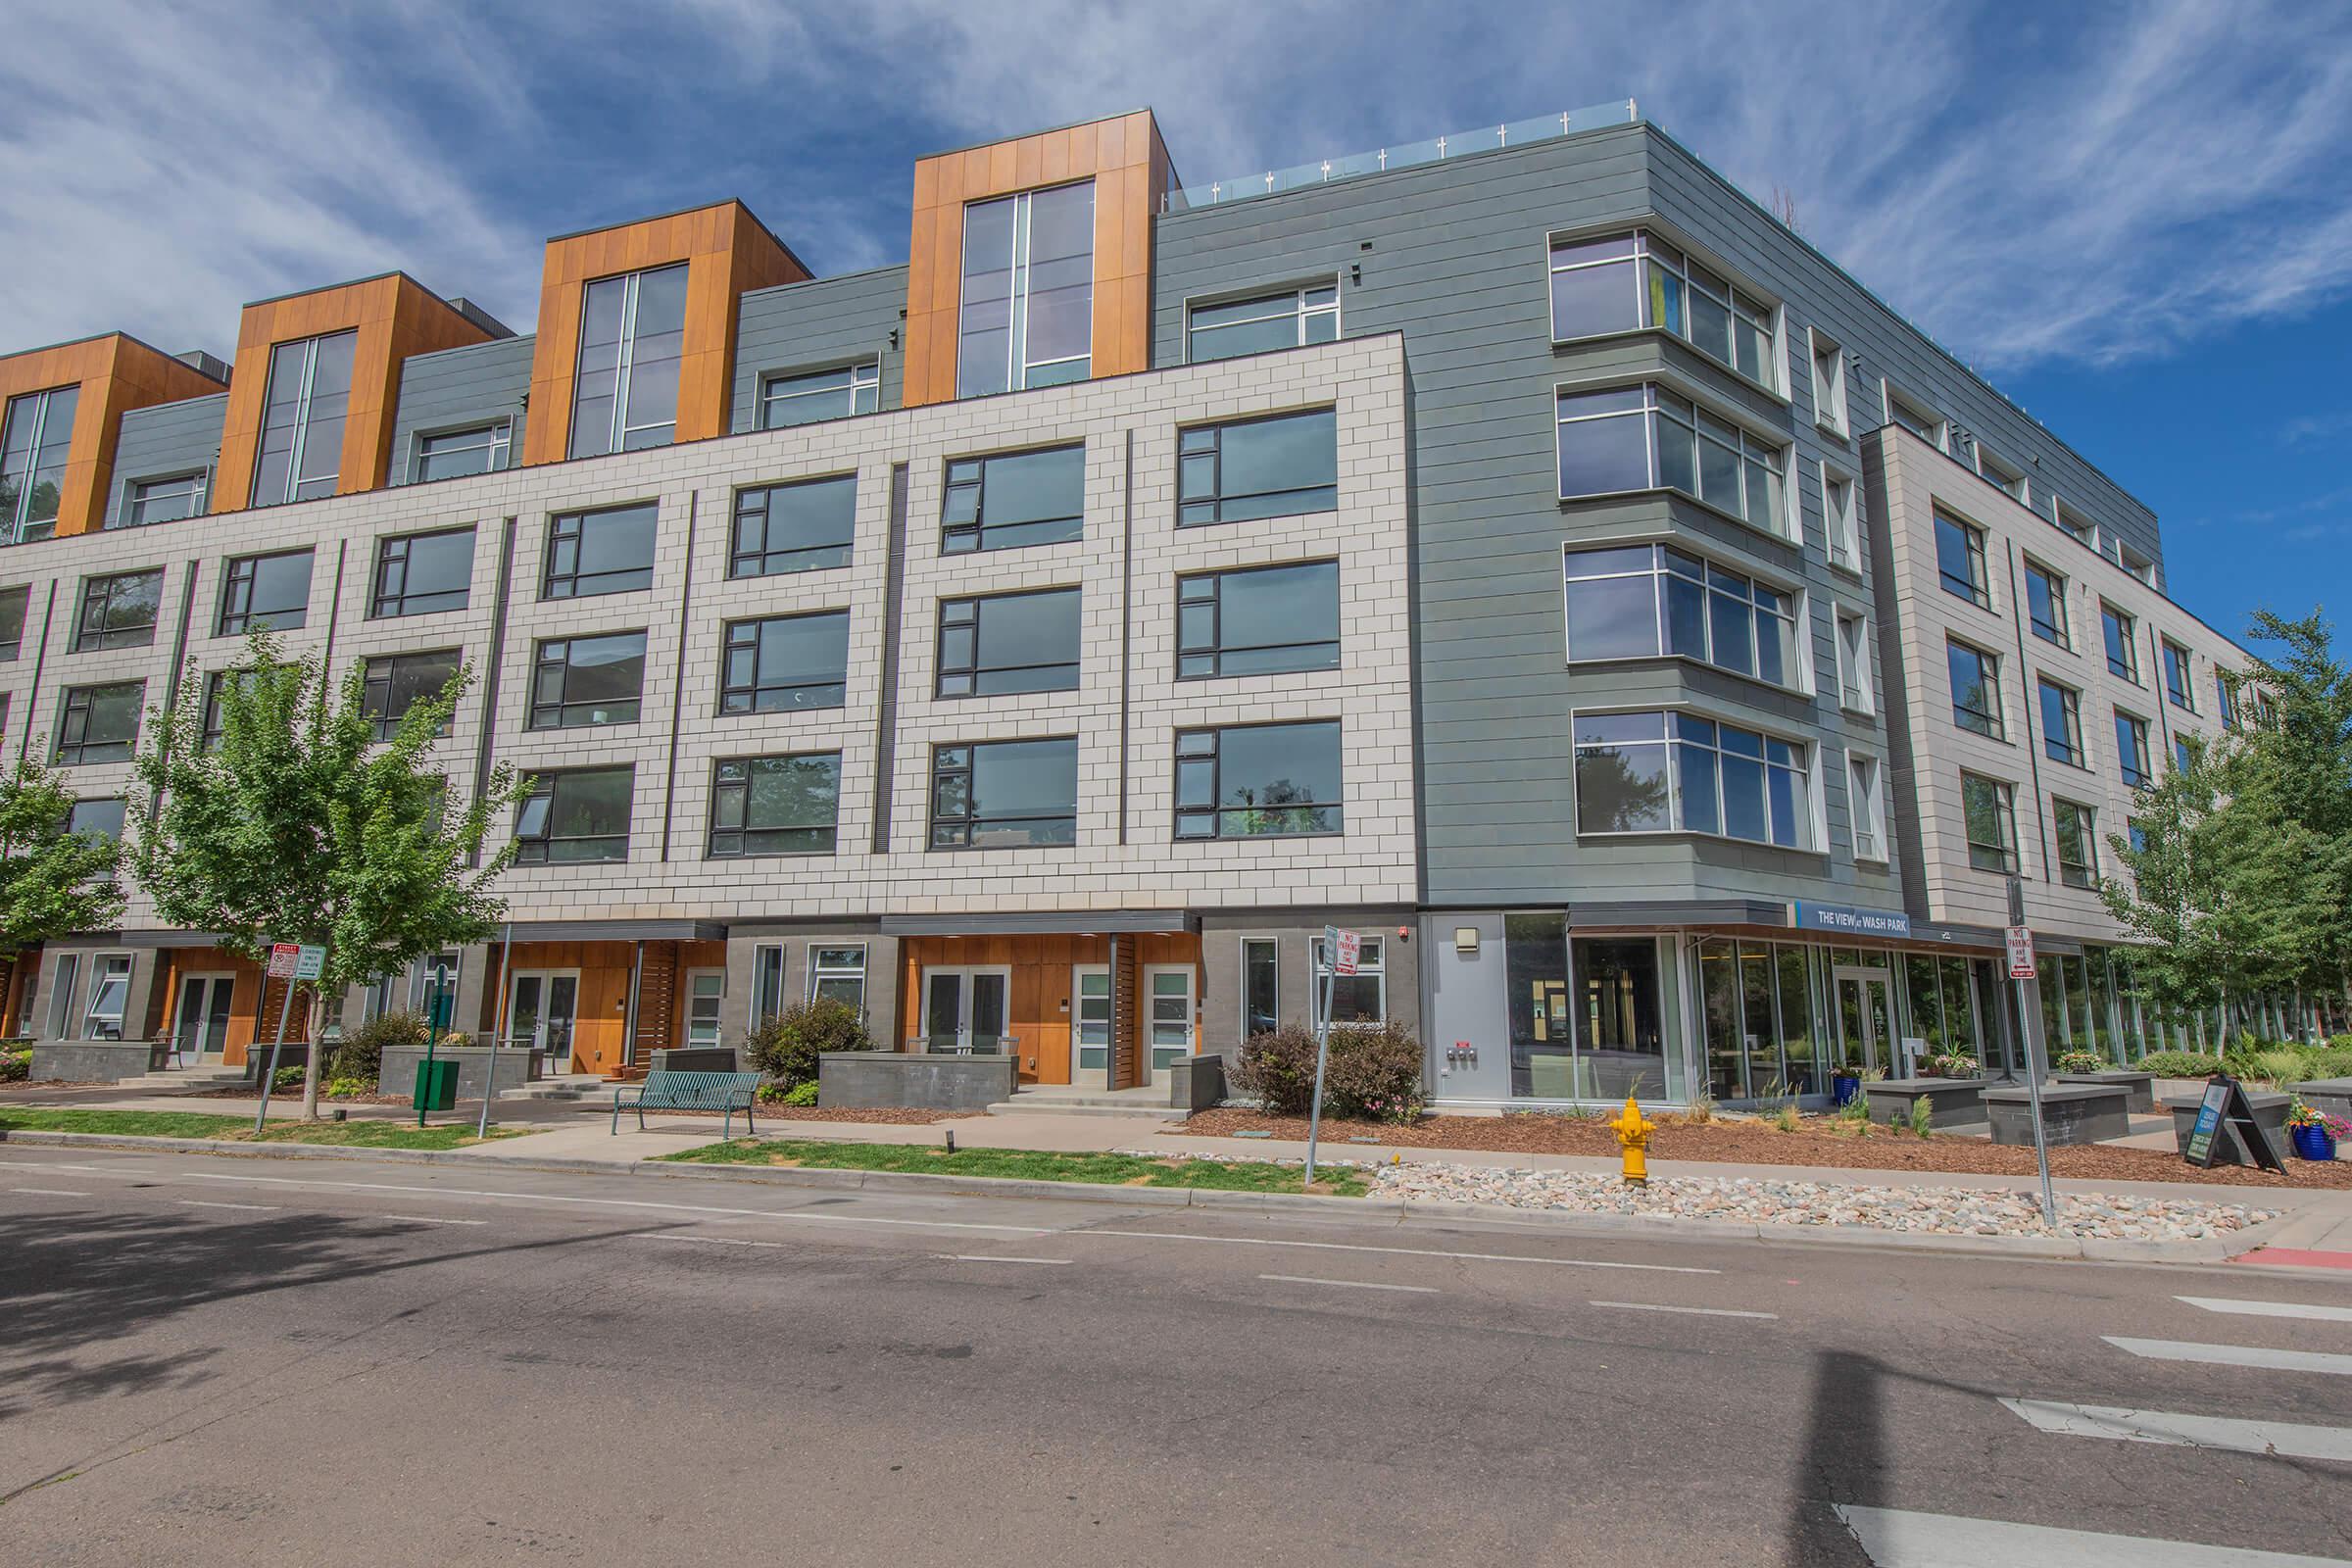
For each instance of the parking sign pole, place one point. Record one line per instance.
(1322, 999)
(270, 1078)
(2029, 1023)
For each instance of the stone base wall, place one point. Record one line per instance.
(2139, 1087)
(503, 1069)
(914, 1080)
(96, 1061)
(2070, 1112)
(1197, 1083)
(1953, 1100)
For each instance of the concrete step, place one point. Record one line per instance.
(565, 1086)
(1084, 1107)
(187, 1078)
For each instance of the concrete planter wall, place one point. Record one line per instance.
(2331, 1095)
(914, 1080)
(1197, 1083)
(293, 1054)
(96, 1061)
(2269, 1114)
(2139, 1087)
(698, 1059)
(1953, 1100)
(503, 1069)
(2070, 1112)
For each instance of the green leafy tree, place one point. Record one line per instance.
(52, 882)
(298, 825)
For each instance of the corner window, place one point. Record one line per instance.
(1829, 386)
(1258, 781)
(1359, 999)
(1648, 601)
(790, 400)
(838, 974)
(100, 723)
(454, 454)
(301, 453)
(266, 593)
(1285, 320)
(1975, 677)
(1004, 795)
(763, 805)
(632, 342)
(2046, 604)
(1008, 643)
(151, 501)
(1026, 314)
(1841, 518)
(785, 663)
(1648, 438)
(2061, 723)
(110, 988)
(1281, 467)
(1623, 282)
(582, 681)
(1990, 807)
(2120, 633)
(1258, 621)
(99, 818)
(1658, 773)
(2077, 828)
(420, 574)
(1856, 690)
(12, 604)
(1960, 561)
(2132, 751)
(784, 528)
(393, 684)
(1013, 499)
(592, 553)
(574, 818)
(2178, 679)
(118, 611)
(1867, 808)
(35, 439)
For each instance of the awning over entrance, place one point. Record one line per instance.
(617, 931)
(1050, 923)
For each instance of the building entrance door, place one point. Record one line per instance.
(1866, 1019)
(966, 1011)
(200, 1023)
(541, 1008)
(1167, 1016)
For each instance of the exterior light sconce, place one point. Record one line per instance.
(1465, 939)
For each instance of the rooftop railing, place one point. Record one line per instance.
(1461, 144)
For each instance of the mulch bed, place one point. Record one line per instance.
(276, 1096)
(878, 1115)
(1760, 1144)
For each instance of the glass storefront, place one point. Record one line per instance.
(1759, 1013)
(1595, 1031)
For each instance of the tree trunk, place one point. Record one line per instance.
(312, 1065)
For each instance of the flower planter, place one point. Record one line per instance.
(1842, 1089)
(2312, 1143)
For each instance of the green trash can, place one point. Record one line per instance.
(436, 1086)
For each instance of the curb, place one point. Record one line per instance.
(1633, 1227)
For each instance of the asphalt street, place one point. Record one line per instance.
(235, 1361)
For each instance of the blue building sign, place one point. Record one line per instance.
(1843, 921)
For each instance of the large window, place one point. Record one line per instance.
(302, 420)
(1650, 600)
(2178, 679)
(2120, 633)
(1657, 772)
(1361, 998)
(453, 454)
(394, 683)
(2131, 750)
(838, 974)
(785, 662)
(575, 817)
(101, 817)
(776, 805)
(782, 529)
(1976, 689)
(1285, 321)
(1027, 309)
(100, 723)
(213, 724)
(581, 681)
(1648, 438)
(1014, 499)
(836, 394)
(66, 978)
(1261, 986)
(1258, 781)
(1258, 621)
(34, 439)
(591, 553)
(1623, 282)
(632, 338)
(2046, 604)
(163, 500)
(1988, 809)
(2061, 723)
(272, 592)
(12, 604)
(420, 573)
(2077, 842)
(1857, 690)
(2225, 696)
(999, 795)
(109, 989)
(1867, 808)
(1960, 561)
(1008, 642)
(118, 611)
(1273, 468)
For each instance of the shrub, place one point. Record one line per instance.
(1787, 1121)
(347, 1087)
(786, 1046)
(361, 1055)
(15, 1066)
(2080, 1061)
(1856, 1110)
(1374, 1073)
(2179, 1064)
(287, 1078)
(2273, 1064)
(802, 1093)
(1922, 1113)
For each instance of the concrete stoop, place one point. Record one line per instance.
(212, 1077)
(570, 1086)
(1058, 1102)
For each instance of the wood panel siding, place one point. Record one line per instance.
(1043, 975)
(726, 251)
(116, 372)
(1132, 172)
(395, 317)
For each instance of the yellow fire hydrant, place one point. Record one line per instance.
(1632, 1136)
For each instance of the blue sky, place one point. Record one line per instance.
(2135, 219)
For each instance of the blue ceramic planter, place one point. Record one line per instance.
(2313, 1142)
(1842, 1090)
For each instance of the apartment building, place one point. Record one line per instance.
(1516, 547)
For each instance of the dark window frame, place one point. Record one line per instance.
(2133, 763)
(1988, 721)
(739, 637)
(1977, 589)
(74, 719)
(732, 796)
(1203, 750)
(378, 673)
(2058, 629)
(12, 643)
(553, 655)
(2119, 635)
(99, 593)
(238, 578)
(537, 848)
(1203, 657)
(755, 507)
(1200, 451)
(568, 537)
(955, 761)
(2066, 747)
(2082, 872)
(968, 477)
(2002, 855)
(392, 553)
(2179, 674)
(970, 615)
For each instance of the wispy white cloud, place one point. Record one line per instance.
(2316, 429)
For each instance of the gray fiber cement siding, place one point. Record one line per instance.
(458, 388)
(163, 441)
(817, 325)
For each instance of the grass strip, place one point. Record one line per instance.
(232, 1128)
(1024, 1165)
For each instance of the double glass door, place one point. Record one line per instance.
(966, 1012)
(1866, 1020)
(200, 1024)
(541, 1008)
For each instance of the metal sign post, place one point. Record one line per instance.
(2029, 1023)
(283, 956)
(437, 1018)
(498, 1027)
(1339, 947)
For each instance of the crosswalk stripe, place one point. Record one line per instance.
(1894, 1537)
(2302, 1309)
(2235, 1355)
(2287, 1439)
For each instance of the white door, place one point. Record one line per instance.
(1090, 1025)
(540, 1011)
(705, 989)
(200, 1023)
(1167, 1016)
(967, 1011)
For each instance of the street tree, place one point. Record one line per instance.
(53, 880)
(295, 824)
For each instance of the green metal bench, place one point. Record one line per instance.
(664, 1090)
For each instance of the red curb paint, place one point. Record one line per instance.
(2290, 1257)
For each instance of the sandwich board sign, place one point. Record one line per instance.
(2225, 1109)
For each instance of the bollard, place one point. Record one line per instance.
(1633, 1138)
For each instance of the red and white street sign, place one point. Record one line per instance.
(283, 956)
(1350, 953)
(2021, 952)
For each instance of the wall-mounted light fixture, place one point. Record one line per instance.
(1465, 939)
